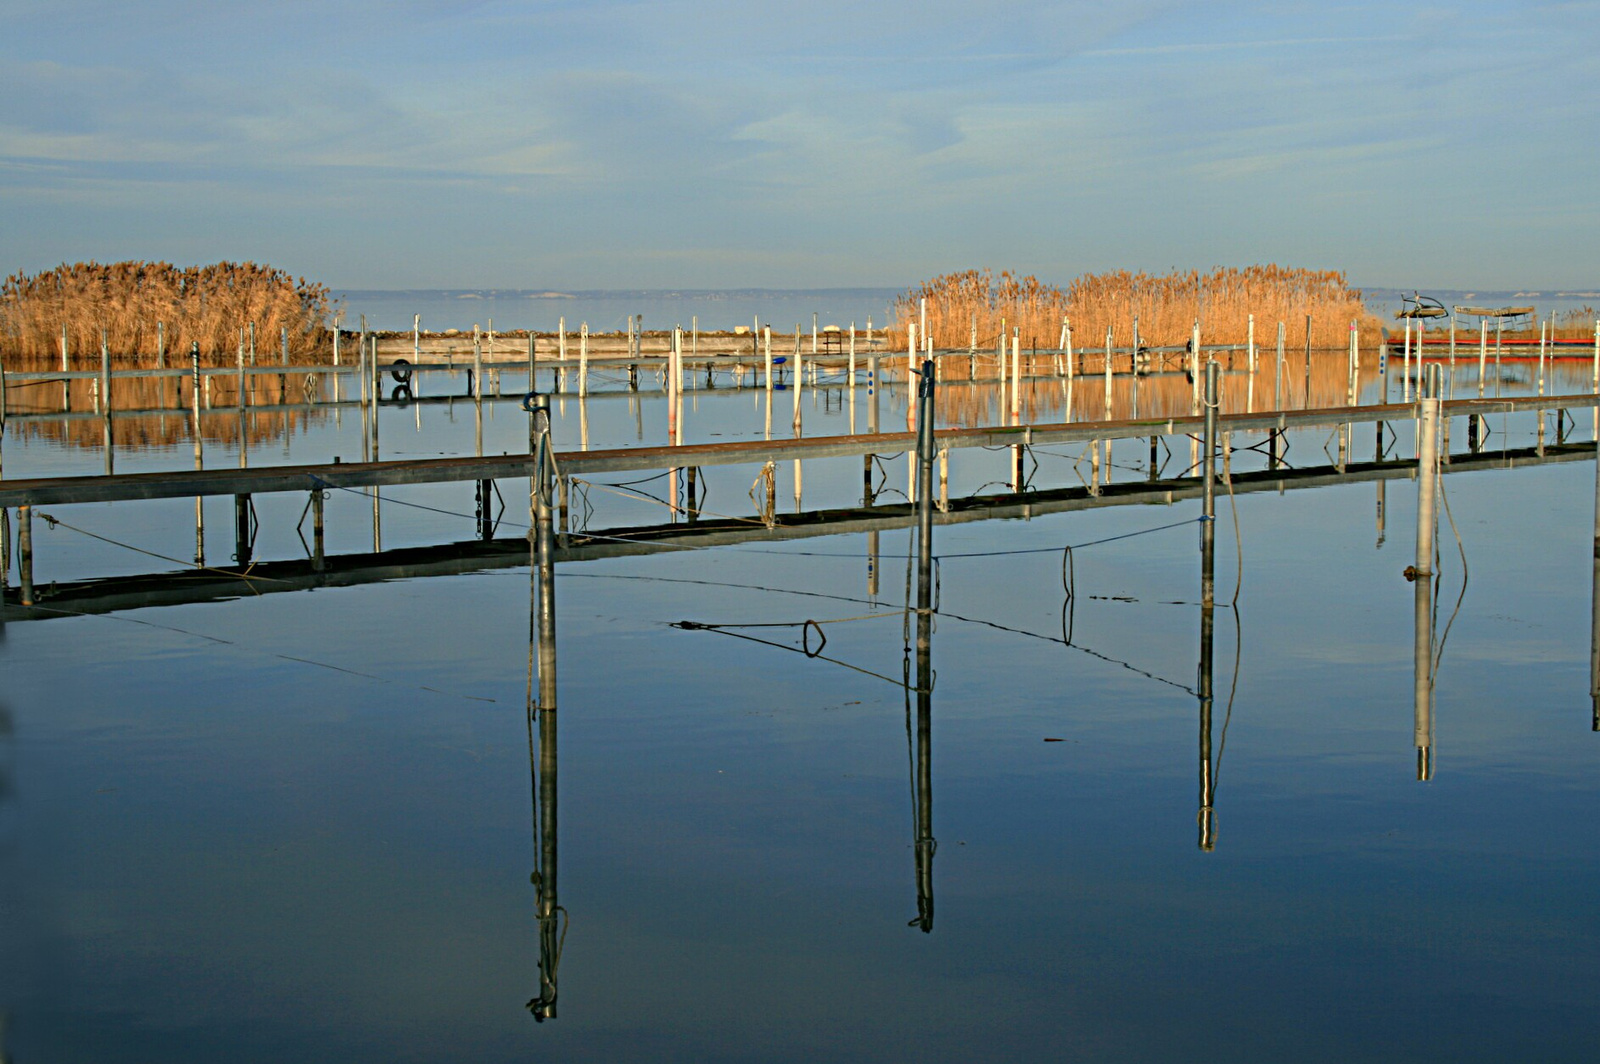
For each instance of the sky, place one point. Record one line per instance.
(710, 144)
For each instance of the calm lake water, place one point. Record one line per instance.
(305, 825)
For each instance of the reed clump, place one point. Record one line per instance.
(1167, 306)
(125, 301)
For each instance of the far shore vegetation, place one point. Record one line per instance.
(1167, 306)
(136, 306)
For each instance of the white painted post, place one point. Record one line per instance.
(1108, 373)
(1483, 352)
(1542, 342)
(1405, 379)
(1016, 376)
(852, 378)
(583, 359)
(1277, 381)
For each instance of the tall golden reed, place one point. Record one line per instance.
(1167, 306)
(208, 304)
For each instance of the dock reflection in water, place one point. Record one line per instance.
(719, 919)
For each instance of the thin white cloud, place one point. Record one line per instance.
(1201, 47)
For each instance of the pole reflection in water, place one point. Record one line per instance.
(1594, 630)
(1207, 817)
(548, 912)
(1422, 712)
(922, 753)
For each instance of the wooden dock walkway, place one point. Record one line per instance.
(265, 479)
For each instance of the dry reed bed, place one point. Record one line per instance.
(1167, 306)
(126, 300)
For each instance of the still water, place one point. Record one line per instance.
(306, 825)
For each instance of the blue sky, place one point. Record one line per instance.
(718, 144)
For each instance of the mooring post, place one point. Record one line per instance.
(477, 366)
(1108, 373)
(1427, 481)
(1542, 347)
(66, 385)
(241, 529)
(583, 360)
(372, 366)
(766, 346)
(1016, 375)
(103, 400)
(1194, 368)
(541, 535)
(194, 371)
(799, 382)
(1209, 445)
(1405, 379)
(25, 553)
(1305, 395)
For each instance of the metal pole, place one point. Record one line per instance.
(104, 405)
(1209, 445)
(1427, 462)
(1306, 394)
(1108, 373)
